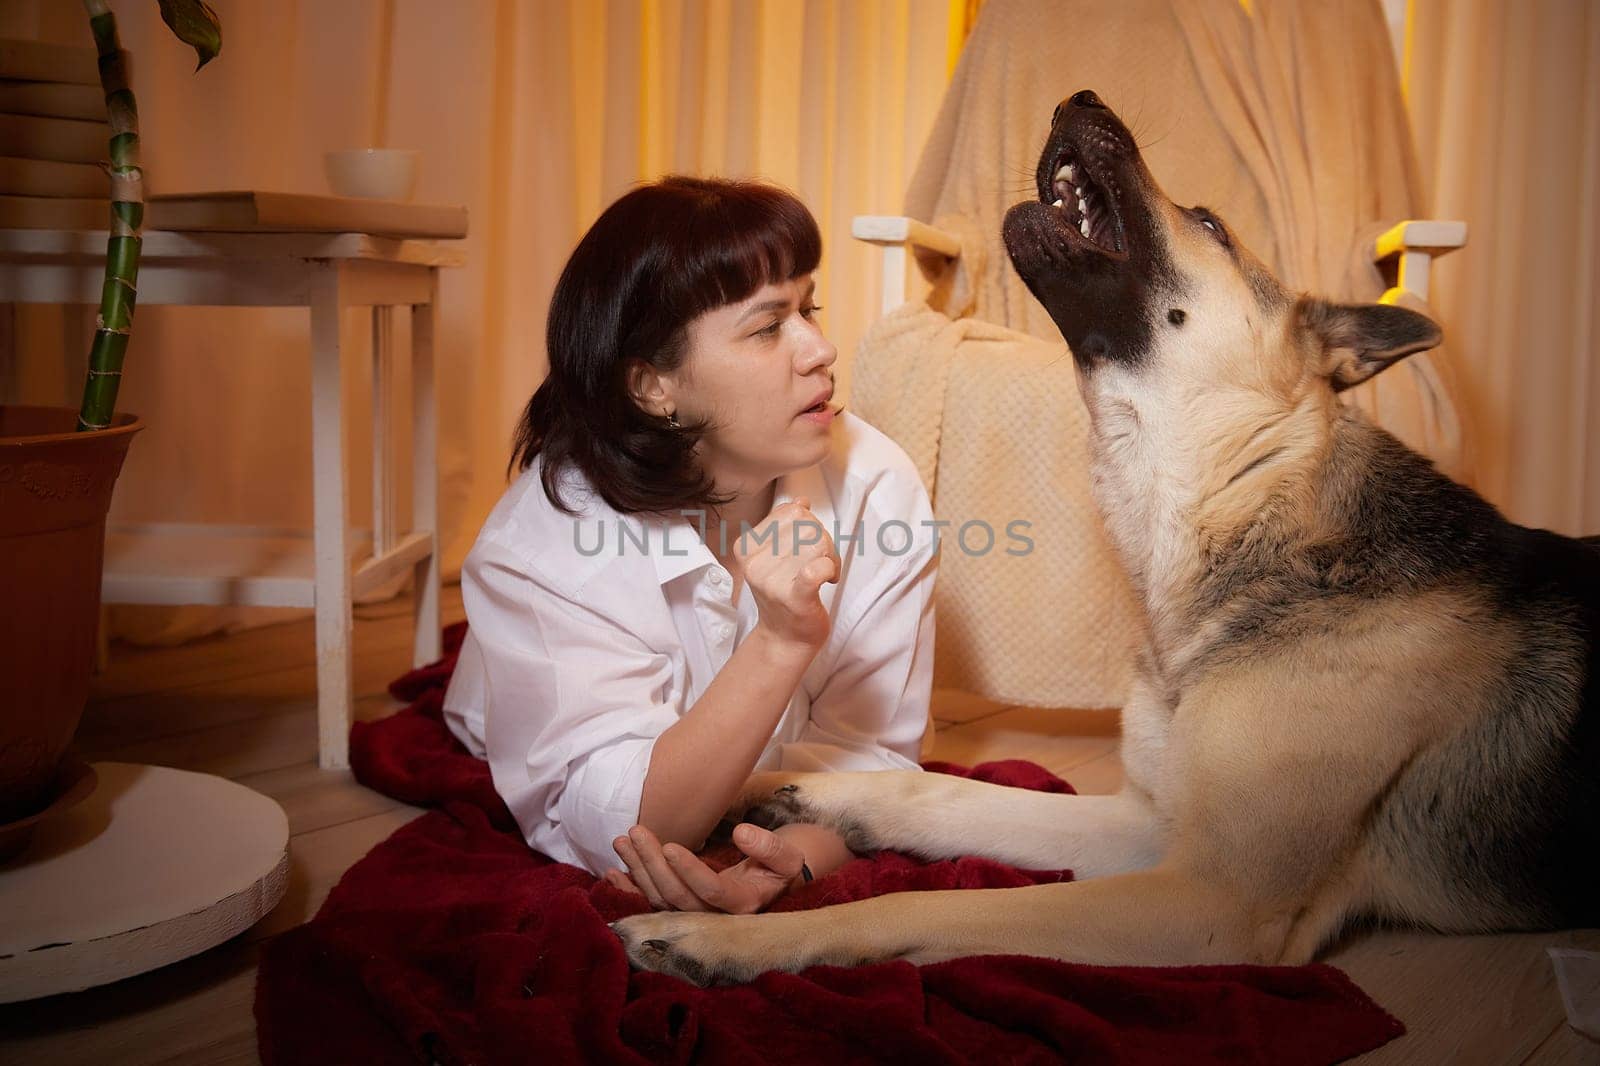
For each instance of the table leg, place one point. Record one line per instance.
(425, 473)
(331, 502)
(383, 522)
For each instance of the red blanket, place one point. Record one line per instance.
(452, 942)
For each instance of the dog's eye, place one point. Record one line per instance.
(1210, 222)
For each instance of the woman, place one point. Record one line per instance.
(658, 605)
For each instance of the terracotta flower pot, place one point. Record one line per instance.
(55, 488)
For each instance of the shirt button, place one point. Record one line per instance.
(724, 631)
(718, 577)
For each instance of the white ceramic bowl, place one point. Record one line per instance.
(372, 173)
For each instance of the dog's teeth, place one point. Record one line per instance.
(1072, 172)
(1078, 192)
(1064, 174)
(1083, 206)
(1056, 204)
(1083, 227)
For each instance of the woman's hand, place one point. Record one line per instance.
(786, 570)
(674, 878)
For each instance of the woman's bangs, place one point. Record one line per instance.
(765, 238)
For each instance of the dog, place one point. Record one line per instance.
(1362, 692)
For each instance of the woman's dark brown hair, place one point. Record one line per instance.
(651, 263)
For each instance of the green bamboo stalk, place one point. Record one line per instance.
(119, 291)
(196, 25)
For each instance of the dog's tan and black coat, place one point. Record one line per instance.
(1363, 693)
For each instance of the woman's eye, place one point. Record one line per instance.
(772, 329)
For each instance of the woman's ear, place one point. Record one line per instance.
(650, 389)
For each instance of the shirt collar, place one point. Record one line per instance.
(675, 546)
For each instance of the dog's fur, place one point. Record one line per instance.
(1363, 693)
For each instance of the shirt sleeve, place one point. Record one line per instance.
(872, 711)
(573, 703)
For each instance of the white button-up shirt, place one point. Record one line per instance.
(589, 635)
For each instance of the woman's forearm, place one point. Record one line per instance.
(699, 762)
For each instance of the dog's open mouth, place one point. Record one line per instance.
(1084, 205)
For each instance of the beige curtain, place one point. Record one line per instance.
(533, 113)
(536, 114)
(1505, 101)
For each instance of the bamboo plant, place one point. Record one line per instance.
(196, 25)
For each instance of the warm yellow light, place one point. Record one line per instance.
(961, 16)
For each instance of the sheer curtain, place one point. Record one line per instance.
(1505, 103)
(533, 113)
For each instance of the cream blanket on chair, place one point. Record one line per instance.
(1032, 606)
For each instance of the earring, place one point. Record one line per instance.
(672, 420)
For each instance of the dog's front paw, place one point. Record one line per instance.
(842, 801)
(781, 806)
(696, 947)
(770, 799)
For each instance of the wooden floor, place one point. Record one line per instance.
(243, 707)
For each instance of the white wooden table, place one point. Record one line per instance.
(327, 273)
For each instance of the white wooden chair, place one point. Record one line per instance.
(1410, 247)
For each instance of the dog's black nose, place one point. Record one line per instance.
(1086, 98)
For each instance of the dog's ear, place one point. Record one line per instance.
(1355, 341)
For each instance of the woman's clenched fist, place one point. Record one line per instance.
(786, 559)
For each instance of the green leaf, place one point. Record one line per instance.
(196, 25)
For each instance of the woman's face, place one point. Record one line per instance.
(760, 372)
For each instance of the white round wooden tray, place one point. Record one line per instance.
(156, 865)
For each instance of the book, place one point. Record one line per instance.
(54, 212)
(43, 177)
(41, 61)
(53, 99)
(65, 140)
(255, 211)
